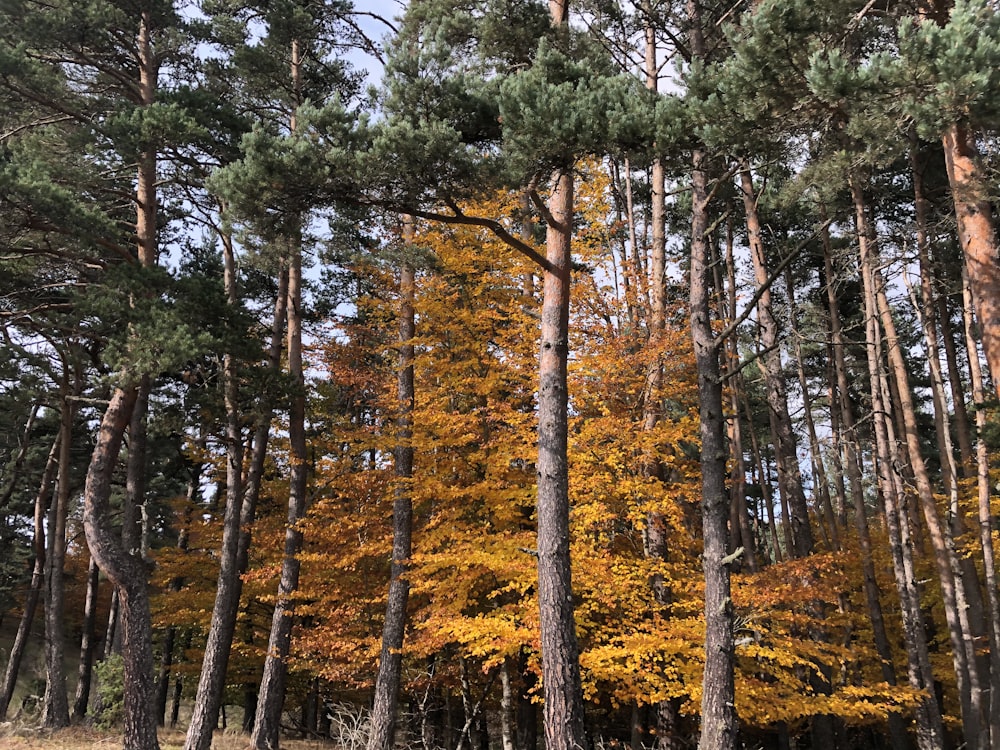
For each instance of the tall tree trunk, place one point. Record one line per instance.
(967, 576)
(42, 500)
(977, 236)
(739, 519)
(271, 696)
(719, 728)
(953, 594)
(561, 685)
(986, 522)
(786, 453)
(383, 716)
(267, 723)
(55, 706)
(126, 572)
(819, 470)
(897, 732)
(85, 671)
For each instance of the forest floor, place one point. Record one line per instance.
(86, 738)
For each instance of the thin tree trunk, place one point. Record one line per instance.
(985, 516)
(42, 500)
(852, 455)
(965, 568)
(786, 452)
(822, 484)
(383, 717)
(929, 727)
(267, 724)
(739, 520)
(55, 708)
(81, 698)
(13, 471)
(963, 430)
(719, 727)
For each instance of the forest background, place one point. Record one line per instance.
(615, 374)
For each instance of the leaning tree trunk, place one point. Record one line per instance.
(271, 696)
(383, 715)
(17, 649)
(241, 504)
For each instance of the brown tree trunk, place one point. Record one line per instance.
(876, 311)
(126, 572)
(719, 728)
(986, 523)
(383, 716)
(42, 500)
(271, 695)
(267, 723)
(55, 707)
(819, 471)
(563, 699)
(241, 503)
(85, 671)
(872, 594)
(977, 236)
(786, 452)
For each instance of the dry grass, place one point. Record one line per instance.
(85, 738)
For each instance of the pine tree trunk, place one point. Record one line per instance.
(42, 500)
(719, 729)
(383, 716)
(956, 613)
(241, 503)
(930, 733)
(563, 699)
(55, 707)
(85, 671)
(786, 452)
(897, 732)
(267, 725)
(977, 236)
(819, 471)
(986, 522)
(126, 572)
(739, 516)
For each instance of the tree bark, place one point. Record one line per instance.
(786, 452)
(956, 611)
(719, 728)
(85, 672)
(563, 698)
(897, 731)
(986, 521)
(387, 682)
(55, 706)
(267, 723)
(930, 733)
(42, 500)
(977, 236)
